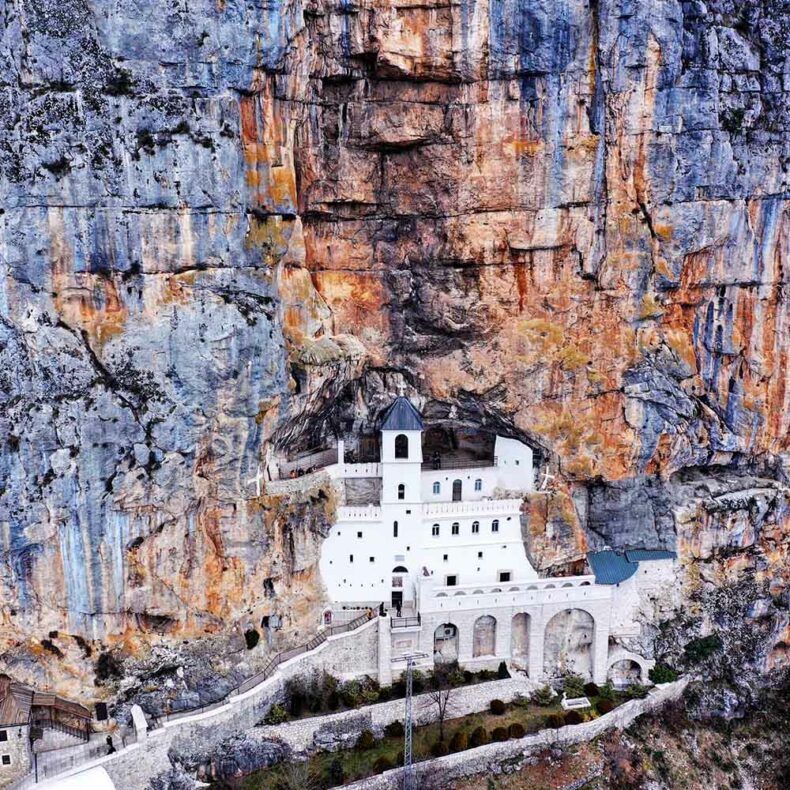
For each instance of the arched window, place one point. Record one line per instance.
(435, 530)
(437, 487)
(495, 525)
(456, 528)
(401, 491)
(457, 485)
(475, 527)
(401, 446)
(394, 529)
(478, 484)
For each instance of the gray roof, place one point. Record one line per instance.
(640, 555)
(610, 567)
(402, 416)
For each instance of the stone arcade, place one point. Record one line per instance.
(443, 549)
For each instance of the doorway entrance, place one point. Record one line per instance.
(457, 486)
(397, 598)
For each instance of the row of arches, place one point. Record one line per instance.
(568, 645)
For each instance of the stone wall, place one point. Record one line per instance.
(489, 759)
(16, 747)
(325, 731)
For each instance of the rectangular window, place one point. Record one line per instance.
(395, 530)
(452, 581)
(504, 576)
(475, 527)
(456, 528)
(495, 525)
(373, 559)
(435, 530)
(359, 534)
(445, 557)
(478, 484)
(3, 735)
(351, 558)
(6, 759)
(437, 488)
(480, 555)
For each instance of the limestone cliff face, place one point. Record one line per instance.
(228, 226)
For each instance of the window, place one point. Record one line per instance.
(394, 529)
(401, 491)
(504, 576)
(456, 528)
(478, 484)
(401, 446)
(475, 527)
(457, 487)
(359, 534)
(437, 488)
(517, 462)
(351, 558)
(6, 759)
(452, 581)
(495, 525)
(3, 735)
(435, 530)
(445, 557)
(373, 559)
(480, 555)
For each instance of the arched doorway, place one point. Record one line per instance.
(568, 644)
(445, 644)
(484, 636)
(624, 673)
(519, 639)
(400, 577)
(457, 489)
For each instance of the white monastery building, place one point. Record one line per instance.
(439, 548)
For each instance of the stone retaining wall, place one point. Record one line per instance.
(133, 767)
(496, 758)
(338, 729)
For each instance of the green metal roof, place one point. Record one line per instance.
(402, 416)
(610, 567)
(638, 555)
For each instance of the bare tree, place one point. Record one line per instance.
(297, 775)
(440, 695)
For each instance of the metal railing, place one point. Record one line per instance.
(405, 622)
(57, 726)
(458, 463)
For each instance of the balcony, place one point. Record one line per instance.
(453, 461)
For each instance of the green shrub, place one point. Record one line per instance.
(591, 689)
(606, 691)
(351, 694)
(382, 763)
(276, 715)
(366, 740)
(418, 681)
(479, 737)
(555, 721)
(502, 672)
(485, 674)
(573, 685)
(440, 749)
(573, 717)
(457, 678)
(699, 649)
(661, 673)
(636, 691)
(499, 734)
(394, 729)
(543, 696)
(385, 694)
(336, 774)
(516, 730)
(497, 707)
(459, 741)
(370, 696)
(604, 706)
(333, 701)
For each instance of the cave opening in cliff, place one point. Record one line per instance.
(448, 446)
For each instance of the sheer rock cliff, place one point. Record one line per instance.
(234, 227)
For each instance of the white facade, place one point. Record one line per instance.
(379, 553)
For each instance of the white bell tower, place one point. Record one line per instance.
(401, 454)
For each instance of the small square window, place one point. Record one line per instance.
(373, 559)
(3, 735)
(6, 759)
(452, 581)
(359, 534)
(445, 557)
(504, 576)
(517, 462)
(480, 555)
(408, 512)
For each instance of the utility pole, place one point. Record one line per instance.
(408, 761)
